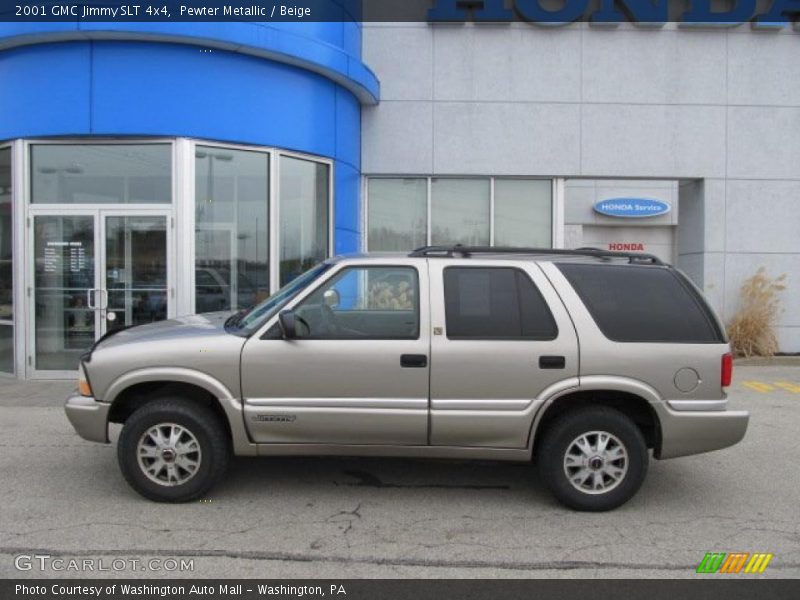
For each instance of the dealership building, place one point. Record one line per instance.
(155, 170)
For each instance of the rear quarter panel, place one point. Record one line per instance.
(656, 365)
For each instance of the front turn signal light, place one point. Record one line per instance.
(84, 389)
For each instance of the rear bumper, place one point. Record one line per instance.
(694, 432)
(89, 417)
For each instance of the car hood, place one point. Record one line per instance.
(185, 328)
(187, 349)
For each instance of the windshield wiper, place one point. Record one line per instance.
(236, 318)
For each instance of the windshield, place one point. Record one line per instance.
(248, 320)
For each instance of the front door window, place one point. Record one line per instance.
(363, 303)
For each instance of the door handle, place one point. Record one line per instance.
(552, 362)
(91, 297)
(413, 361)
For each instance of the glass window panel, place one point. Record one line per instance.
(495, 303)
(481, 303)
(6, 349)
(101, 173)
(642, 304)
(460, 212)
(231, 228)
(398, 214)
(523, 212)
(6, 242)
(63, 277)
(304, 194)
(136, 270)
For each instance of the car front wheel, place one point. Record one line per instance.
(593, 459)
(173, 450)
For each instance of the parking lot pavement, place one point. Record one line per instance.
(343, 517)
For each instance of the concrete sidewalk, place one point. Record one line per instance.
(18, 392)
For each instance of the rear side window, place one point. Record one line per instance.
(643, 304)
(495, 303)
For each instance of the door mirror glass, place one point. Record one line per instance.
(286, 319)
(331, 298)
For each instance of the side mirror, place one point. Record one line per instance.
(331, 298)
(286, 319)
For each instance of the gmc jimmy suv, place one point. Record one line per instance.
(580, 360)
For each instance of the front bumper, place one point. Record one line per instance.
(89, 417)
(694, 432)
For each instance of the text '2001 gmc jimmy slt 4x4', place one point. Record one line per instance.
(582, 360)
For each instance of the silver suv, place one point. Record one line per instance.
(580, 360)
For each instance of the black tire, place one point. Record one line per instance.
(557, 440)
(201, 422)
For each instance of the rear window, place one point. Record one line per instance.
(497, 303)
(643, 304)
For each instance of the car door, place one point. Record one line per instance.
(502, 341)
(357, 372)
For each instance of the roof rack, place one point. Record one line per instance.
(467, 251)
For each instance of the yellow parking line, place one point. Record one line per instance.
(758, 386)
(789, 387)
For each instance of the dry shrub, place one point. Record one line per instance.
(752, 328)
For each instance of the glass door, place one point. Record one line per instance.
(135, 286)
(94, 271)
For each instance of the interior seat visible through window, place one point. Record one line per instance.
(363, 302)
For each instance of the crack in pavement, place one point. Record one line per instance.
(356, 512)
(569, 565)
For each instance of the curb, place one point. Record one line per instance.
(769, 361)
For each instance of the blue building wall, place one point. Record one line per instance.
(292, 86)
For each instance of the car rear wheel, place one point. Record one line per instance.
(173, 450)
(593, 459)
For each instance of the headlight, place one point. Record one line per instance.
(84, 389)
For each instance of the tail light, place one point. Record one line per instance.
(727, 370)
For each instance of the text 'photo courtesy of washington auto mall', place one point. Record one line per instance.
(381, 299)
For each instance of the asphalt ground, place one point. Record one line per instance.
(356, 517)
